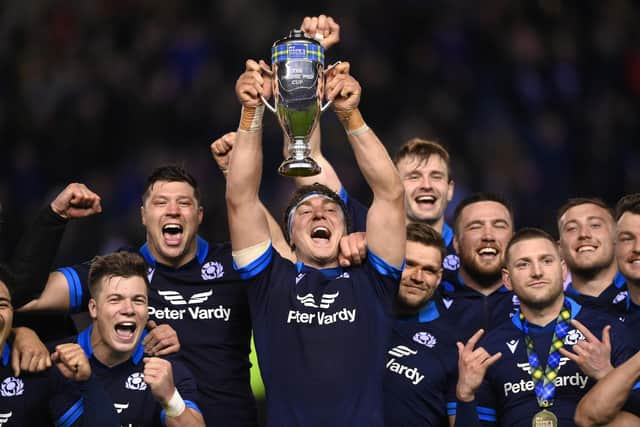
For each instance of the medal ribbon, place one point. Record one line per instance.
(543, 377)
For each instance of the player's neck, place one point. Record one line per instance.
(484, 285)
(318, 264)
(174, 262)
(106, 355)
(542, 316)
(594, 284)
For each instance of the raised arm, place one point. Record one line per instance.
(604, 402)
(386, 218)
(247, 222)
(221, 150)
(37, 248)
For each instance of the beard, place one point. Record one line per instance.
(588, 270)
(543, 301)
(485, 276)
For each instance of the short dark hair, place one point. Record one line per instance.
(171, 173)
(528, 233)
(577, 201)
(306, 190)
(423, 149)
(628, 203)
(477, 198)
(117, 264)
(425, 234)
(7, 277)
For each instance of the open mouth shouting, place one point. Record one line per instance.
(320, 234)
(126, 330)
(172, 234)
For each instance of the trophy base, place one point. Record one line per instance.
(302, 167)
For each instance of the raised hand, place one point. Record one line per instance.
(221, 150)
(342, 88)
(322, 28)
(158, 374)
(76, 201)
(472, 366)
(72, 361)
(256, 81)
(591, 355)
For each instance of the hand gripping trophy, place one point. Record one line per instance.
(297, 64)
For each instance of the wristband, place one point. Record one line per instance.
(251, 119)
(175, 406)
(358, 131)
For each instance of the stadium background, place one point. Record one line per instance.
(537, 100)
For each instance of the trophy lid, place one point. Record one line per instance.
(297, 46)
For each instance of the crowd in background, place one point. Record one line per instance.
(537, 100)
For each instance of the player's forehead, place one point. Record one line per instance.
(534, 247)
(585, 212)
(171, 188)
(427, 163)
(4, 292)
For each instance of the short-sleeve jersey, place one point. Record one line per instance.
(470, 310)
(321, 337)
(507, 395)
(37, 399)
(206, 303)
(130, 395)
(420, 375)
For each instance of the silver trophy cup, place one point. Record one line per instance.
(297, 63)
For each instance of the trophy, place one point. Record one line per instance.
(297, 64)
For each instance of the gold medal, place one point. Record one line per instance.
(544, 418)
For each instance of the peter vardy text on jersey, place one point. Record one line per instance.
(344, 315)
(196, 313)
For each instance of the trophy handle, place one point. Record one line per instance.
(269, 106)
(325, 106)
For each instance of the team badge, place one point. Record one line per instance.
(212, 270)
(425, 338)
(622, 295)
(11, 387)
(451, 262)
(573, 336)
(136, 382)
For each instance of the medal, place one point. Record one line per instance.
(544, 418)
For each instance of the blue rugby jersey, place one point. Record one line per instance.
(124, 384)
(507, 397)
(40, 399)
(321, 337)
(421, 369)
(470, 310)
(611, 300)
(206, 303)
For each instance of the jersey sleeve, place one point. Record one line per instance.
(80, 404)
(387, 278)
(77, 277)
(357, 211)
(185, 384)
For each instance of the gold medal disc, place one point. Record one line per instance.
(544, 418)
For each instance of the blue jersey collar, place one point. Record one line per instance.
(201, 252)
(447, 234)
(326, 272)
(575, 309)
(6, 354)
(429, 312)
(84, 339)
